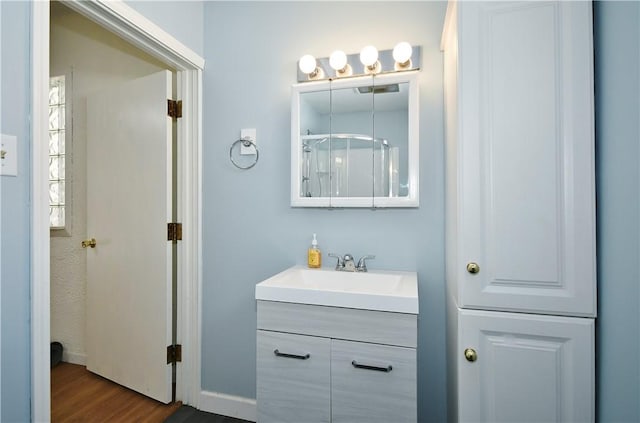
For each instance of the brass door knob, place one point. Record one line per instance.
(470, 354)
(473, 267)
(89, 243)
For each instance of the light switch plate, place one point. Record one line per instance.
(9, 155)
(248, 134)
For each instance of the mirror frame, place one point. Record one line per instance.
(413, 112)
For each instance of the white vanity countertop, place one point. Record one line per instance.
(392, 291)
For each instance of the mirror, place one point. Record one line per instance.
(354, 142)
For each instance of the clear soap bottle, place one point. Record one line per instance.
(314, 256)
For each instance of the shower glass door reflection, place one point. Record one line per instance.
(354, 141)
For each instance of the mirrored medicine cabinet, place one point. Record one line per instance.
(354, 142)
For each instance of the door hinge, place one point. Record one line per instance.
(174, 108)
(174, 354)
(174, 231)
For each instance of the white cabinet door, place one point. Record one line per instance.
(524, 157)
(527, 368)
(372, 383)
(292, 378)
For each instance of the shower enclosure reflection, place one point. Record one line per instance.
(342, 165)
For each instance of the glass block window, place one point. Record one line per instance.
(57, 155)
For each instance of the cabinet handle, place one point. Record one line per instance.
(299, 357)
(471, 355)
(367, 367)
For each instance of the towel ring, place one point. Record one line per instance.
(246, 143)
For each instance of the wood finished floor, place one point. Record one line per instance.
(80, 396)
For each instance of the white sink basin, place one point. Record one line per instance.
(374, 290)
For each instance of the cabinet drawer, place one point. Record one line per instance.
(292, 378)
(343, 323)
(372, 383)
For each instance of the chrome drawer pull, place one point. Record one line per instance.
(299, 357)
(367, 367)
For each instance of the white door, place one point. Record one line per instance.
(525, 166)
(129, 272)
(527, 368)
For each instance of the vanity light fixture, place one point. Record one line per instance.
(308, 66)
(338, 62)
(402, 55)
(370, 61)
(369, 58)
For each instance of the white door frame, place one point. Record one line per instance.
(130, 25)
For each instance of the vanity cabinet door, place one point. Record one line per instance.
(515, 367)
(372, 383)
(293, 378)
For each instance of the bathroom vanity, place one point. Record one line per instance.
(337, 347)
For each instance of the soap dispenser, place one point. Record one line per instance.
(314, 256)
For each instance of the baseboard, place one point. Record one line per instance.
(74, 358)
(228, 405)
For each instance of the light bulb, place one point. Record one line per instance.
(307, 64)
(402, 52)
(369, 56)
(338, 60)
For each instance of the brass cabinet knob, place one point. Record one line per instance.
(473, 267)
(470, 354)
(89, 243)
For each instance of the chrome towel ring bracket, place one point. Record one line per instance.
(245, 143)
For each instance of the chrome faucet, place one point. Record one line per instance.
(347, 264)
(362, 263)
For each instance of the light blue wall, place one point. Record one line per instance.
(14, 120)
(183, 19)
(617, 71)
(251, 232)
